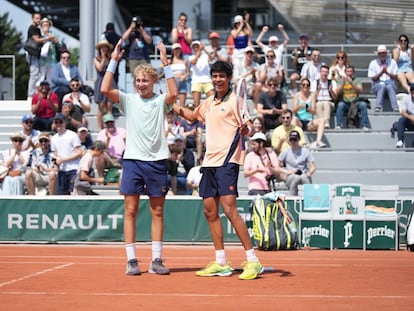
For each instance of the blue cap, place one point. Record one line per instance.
(27, 117)
(303, 35)
(59, 116)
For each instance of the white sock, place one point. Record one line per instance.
(130, 251)
(156, 249)
(251, 255)
(221, 257)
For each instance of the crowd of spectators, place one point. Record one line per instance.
(55, 137)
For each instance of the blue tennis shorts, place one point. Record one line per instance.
(218, 181)
(144, 177)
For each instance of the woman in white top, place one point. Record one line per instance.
(179, 67)
(337, 70)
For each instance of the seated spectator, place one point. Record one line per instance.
(403, 54)
(114, 138)
(73, 116)
(175, 182)
(260, 165)
(271, 104)
(280, 136)
(406, 121)
(324, 91)
(311, 70)
(348, 91)
(62, 74)
(383, 72)
(194, 178)
(249, 70)
(337, 69)
(31, 136)
(298, 164)
(43, 171)
(16, 160)
(85, 139)
(270, 69)
(85, 175)
(274, 43)
(172, 127)
(304, 106)
(67, 151)
(79, 99)
(45, 103)
(192, 132)
(215, 50)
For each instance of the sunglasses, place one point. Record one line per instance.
(403, 40)
(18, 141)
(270, 56)
(65, 57)
(306, 85)
(43, 141)
(340, 57)
(293, 139)
(285, 118)
(273, 84)
(75, 85)
(58, 122)
(28, 122)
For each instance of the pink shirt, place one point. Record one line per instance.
(253, 161)
(116, 145)
(222, 121)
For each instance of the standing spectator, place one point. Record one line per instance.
(48, 53)
(383, 72)
(67, 150)
(274, 45)
(304, 106)
(101, 62)
(271, 104)
(45, 103)
(31, 136)
(249, 70)
(77, 97)
(85, 175)
(139, 39)
(280, 136)
(270, 69)
(215, 50)
(406, 120)
(300, 56)
(183, 35)
(16, 160)
(324, 91)
(181, 72)
(299, 164)
(260, 165)
(146, 151)
(242, 35)
(221, 170)
(43, 172)
(34, 60)
(403, 54)
(350, 88)
(172, 127)
(113, 38)
(311, 70)
(338, 66)
(62, 74)
(200, 77)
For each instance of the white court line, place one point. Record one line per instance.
(35, 274)
(204, 295)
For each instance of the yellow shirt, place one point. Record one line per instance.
(281, 132)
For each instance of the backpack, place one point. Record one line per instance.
(410, 229)
(271, 231)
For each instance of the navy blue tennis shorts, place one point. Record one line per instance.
(218, 181)
(144, 177)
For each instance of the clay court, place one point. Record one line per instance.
(91, 277)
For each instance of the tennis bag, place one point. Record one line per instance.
(271, 232)
(410, 229)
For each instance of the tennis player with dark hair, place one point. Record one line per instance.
(146, 151)
(223, 157)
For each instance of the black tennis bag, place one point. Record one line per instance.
(271, 231)
(410, 229)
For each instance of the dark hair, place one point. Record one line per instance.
(284, 111)
(324, 66)
(182, 14)
(220, 66)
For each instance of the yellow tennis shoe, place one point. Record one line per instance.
(214, 269)
(251, 270)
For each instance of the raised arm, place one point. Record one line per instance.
(172, 90)
(106, 87)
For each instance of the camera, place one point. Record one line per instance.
(137, 20)
(298, 172)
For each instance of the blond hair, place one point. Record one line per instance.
(146, 70)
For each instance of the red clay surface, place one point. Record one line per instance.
(91, 277)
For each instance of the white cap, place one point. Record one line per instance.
(273, 38)
(259, 136)
(381, 48)
(238, 19)
(82, 128)
(195, 42)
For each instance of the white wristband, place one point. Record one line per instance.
(112, 66)
(168, 72)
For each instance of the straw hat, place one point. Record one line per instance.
(46, 20)
(104, 43)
